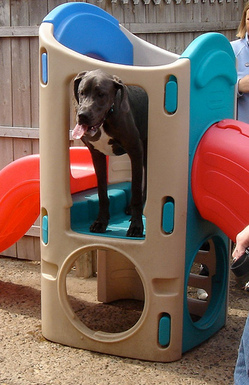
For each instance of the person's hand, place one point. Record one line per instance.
(242, 242)
(243, 86)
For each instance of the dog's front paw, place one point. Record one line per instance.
(98, 226)
(136, 229)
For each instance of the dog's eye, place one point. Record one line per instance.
(101, 94)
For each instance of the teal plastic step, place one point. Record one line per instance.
(86, 205)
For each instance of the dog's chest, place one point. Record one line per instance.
(106, 144)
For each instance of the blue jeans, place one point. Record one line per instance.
(241, 373)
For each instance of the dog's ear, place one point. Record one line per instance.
(124, 103)
(77, 81)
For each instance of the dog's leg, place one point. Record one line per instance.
(145, 156)
(99, 162)
(136, 226)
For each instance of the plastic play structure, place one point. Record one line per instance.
(196, 191)
(187, 95)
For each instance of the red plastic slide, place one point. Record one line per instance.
(20, 192)
(220, 176)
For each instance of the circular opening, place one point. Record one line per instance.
(206, 282)
(104, 291)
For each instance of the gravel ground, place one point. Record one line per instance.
(27, 358)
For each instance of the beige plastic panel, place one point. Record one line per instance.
(159, 259)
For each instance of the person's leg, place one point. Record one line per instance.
(241, 372)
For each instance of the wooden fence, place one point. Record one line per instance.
(170, 24)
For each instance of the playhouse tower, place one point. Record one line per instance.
(186, 95)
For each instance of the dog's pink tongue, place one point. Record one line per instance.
(78, 131)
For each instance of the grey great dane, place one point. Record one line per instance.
(112, 119)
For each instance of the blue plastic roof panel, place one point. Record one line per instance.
(65, 11)
(90, 31)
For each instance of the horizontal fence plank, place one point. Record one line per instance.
(182, 28)
(138, 28)
(19, 31)
(19, 132)
(28, 133)
(34, 231)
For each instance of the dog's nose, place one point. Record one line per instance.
(83, 118)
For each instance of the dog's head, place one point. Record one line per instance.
(95, 92)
